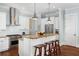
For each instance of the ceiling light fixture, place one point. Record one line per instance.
(49, 11)
(54, 4)
(34, 16)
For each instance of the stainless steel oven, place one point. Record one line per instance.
(14, 40)
(13, 43)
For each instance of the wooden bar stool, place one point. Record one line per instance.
(39, 47)
(57, 46)
(48, 51)
(50, 48)
(53, 49)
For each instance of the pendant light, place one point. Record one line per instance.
(34, 16)
(54, 4)
(49, 11)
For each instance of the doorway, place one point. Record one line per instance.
(70, 29)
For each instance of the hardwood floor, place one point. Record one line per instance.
(69, 50)
(65, 50)
(10, 52)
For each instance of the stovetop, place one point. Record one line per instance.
(14, 36)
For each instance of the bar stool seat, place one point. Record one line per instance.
(40, 45)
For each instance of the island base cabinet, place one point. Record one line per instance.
(26, 45)
(21, 47)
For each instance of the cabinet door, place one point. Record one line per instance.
(24, 22)
(4, 44)
(21, 47)
(2, 20)
(27, 45)
(43, 22)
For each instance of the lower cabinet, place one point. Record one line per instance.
(21, 47)
(4, 44)
(24, 47)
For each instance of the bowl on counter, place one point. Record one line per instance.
(40, 33)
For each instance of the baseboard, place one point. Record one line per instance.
(62, 43)
(77, 46)
(65, 43)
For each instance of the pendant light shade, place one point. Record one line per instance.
(49, 18)
(49, 11)
(49, 21)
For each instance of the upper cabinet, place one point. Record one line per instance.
(43, 22)
(24, 22)
(3, 20)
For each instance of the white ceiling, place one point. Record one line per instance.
(28, 8)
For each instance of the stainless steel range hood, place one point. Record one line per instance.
(14, 18)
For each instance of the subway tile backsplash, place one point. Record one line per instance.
(13, 30)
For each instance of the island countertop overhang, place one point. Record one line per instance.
(30, 36)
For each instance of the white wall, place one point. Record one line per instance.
(70, 11)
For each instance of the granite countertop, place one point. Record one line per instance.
(14, 36)
(3, 36)
(38, 36)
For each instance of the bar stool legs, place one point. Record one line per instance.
(40, 47)
(50, 48)
(57, 45)
(45, 50)
(35, 51)
(54, 48)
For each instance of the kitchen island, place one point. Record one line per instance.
(27, 43)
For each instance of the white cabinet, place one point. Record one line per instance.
(2, 20)
(26, 45)
(4, 44)
(43, 22)
(36, 41)
(21, 47)
(24, 22)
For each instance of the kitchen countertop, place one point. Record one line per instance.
(16, 36)
(3, 36)
(37, 36)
